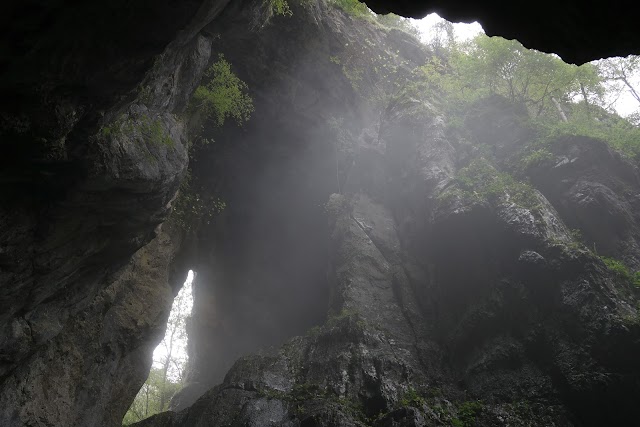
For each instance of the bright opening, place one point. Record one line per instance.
(432, 24)
(167, 373)
(621, 75)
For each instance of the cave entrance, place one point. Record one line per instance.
(167, 374)
(170, 356)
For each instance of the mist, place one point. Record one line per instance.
(384, 222)
(375, 116)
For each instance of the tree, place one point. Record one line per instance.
(392, 20)
(591, 86)
(561, 98)
(279, 7)
(152, 397)
(224, 95)
(621, 71)
(493, 65)
(172, 357)
(354, 8)
(443, 37)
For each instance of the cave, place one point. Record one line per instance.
(369, 250)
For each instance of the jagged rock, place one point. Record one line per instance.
(88, 373)
(435, 303)
(595, 191)
(83, 200)
(438, 298)
(262, 277)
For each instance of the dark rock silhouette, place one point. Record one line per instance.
(430, 300)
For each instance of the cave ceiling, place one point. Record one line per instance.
(577, 31)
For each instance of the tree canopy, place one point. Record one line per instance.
(565, 98)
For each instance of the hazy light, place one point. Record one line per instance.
(622, 102)
(182, 305)
(463, 32)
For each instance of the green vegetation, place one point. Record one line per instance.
(392, 20)
(123, 125)
(458, 415)
(536, 157)
(335, 320)
(619, 133)
(412, 398)
(492, 65)
(191, 206)
(153, 397)
(345, 314)
(561, 99)
(154, 131)
(354, 8)
(360, 10)
(467, 413)
(224, 95)
(621, 271)
(306, 391)
(144, 126)
(353, 73)
(166, 377)
(279, 7)
(480, 181)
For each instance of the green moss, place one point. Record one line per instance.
(307, 390)
(435, 392)
(154, 131)
(354, 8)
(391, 20)
(274, 394)
(351, 69)
(615, 131)
(412, 398)
(480, 181)
(279, 7)
(354, 75)
(127, 127)
(122, 126)
(346, 314)
(621, 271)
(536, 157)
(467, 413)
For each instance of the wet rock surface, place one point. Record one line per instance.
(436, 306)
(88, 177)
(446, 306)
(88, 373)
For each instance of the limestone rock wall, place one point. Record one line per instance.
(426, 314)
(446, 306)
(90, 371)
(89, 176)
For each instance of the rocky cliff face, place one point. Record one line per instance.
(436, 304)
(87, 182)
(448, 304)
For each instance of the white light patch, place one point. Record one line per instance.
(463, 32)
(171, 353)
